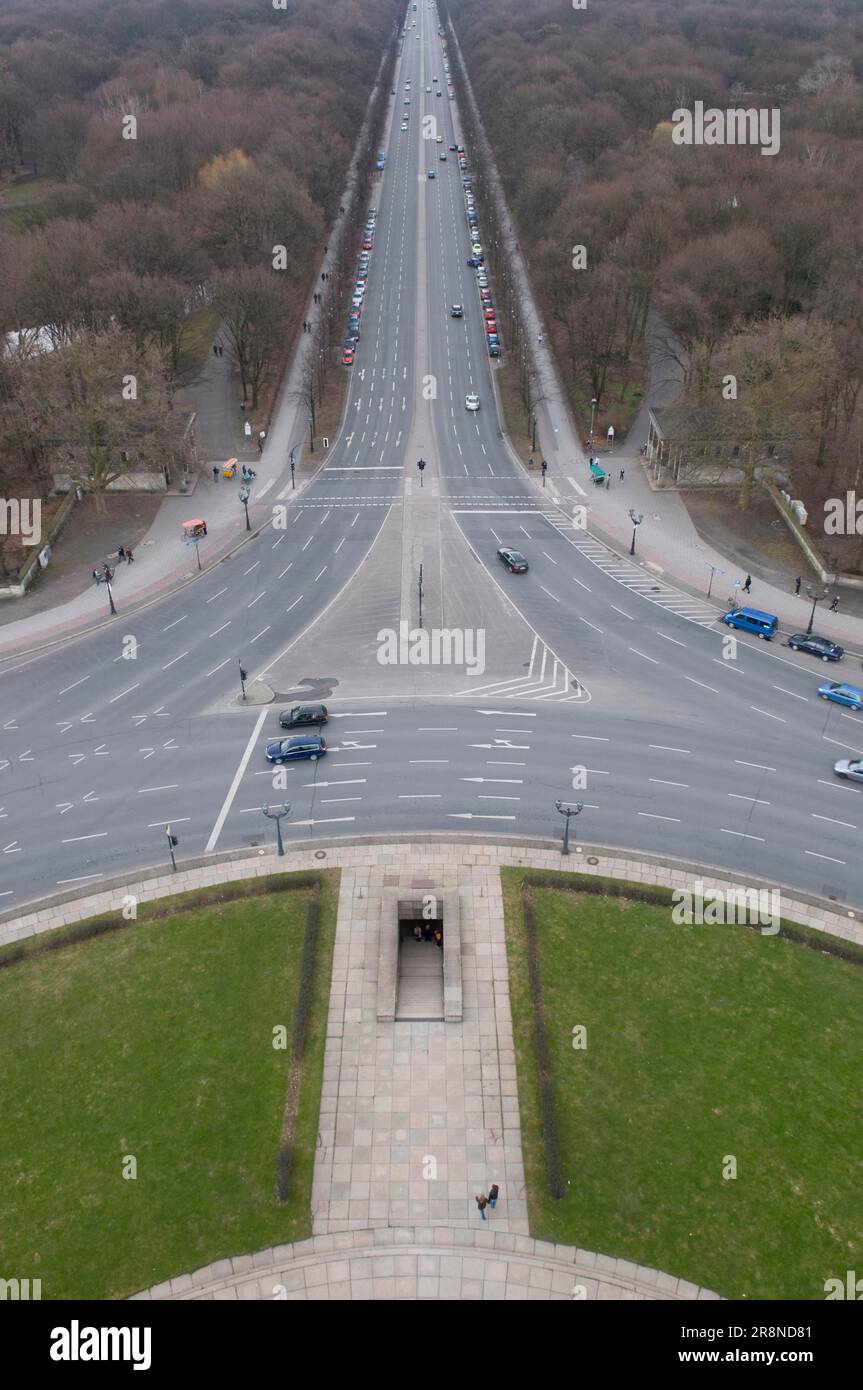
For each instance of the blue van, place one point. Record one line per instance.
(752, 620)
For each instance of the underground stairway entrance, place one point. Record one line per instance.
(419, 993)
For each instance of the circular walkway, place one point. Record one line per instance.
(411, 1263)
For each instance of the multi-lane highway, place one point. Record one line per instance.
(600, 684)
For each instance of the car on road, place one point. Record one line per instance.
(428, 89)
(453, 149)
(347, 357)
(404, 125)
(303, 714)
(489, 313)
(438, 139)
(290, 750)
(367, 243)
(456, 312)
(842, 694)
(513, 559)
(763, 625)
(471, 402)
(439, 92)
(816, 646)
(474, 261)
(442, 157)
(852, 768)
(493, 348)
(431, 173)
(407, 101)
(476, 249)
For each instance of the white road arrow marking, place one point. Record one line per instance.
(12, 848)
(504, 781)
(101, 751)
(10, 724)
(510, 713)
(26, 757)
(88, 718)
(77, 757)
(64, 726)
(64, 806)
(469, 815)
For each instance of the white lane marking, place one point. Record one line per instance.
(218, 595)
(693, 681)
(665, 783)
(175, 622)
(67, 688)
(169, 787)
(621, 612)
(251, 567)
(833, 821)
(175, 820)
(420, 796)
(756, 800)
(259, 634)
(285, 570)
(256, 599)
(768, 714)
(587, 624)
(232, 791)
(762, 767)
(128, 691)
(82, 878)
(221, 629)
(840, 787)
(174, 661)
(828, 857)
(651, 816)
(594, 738)
(73, 839)
(578, 581)
(219, 667)
(742, 835)
(670, 639)
(646, 657)
(792, 693)
(550, 594)
(664, 748)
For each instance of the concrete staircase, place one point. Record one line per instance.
(420, 982)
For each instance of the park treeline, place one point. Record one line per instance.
(724, 244)
(245, 119)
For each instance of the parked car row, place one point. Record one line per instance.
(477, 262)
(352, 336)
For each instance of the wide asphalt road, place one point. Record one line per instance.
(677, 740)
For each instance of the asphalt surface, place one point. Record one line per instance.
(598, 683)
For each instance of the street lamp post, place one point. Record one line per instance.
(421, 463)
(244, 498)
(244, 676)
(568, 809)
(593, 404)
(533, 441)
(544, 467)
(276, 813)
(172, 845)
(293, 484)
(714, 570)
(636, 518)
(816, 592)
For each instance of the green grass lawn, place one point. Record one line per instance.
(702, 1042)
(156, 1041)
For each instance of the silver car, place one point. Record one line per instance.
(850, 768)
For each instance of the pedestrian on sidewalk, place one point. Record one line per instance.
(482, 1203)
(98, 578)
(260, 443)
(493, 1194)
(121, 554)
(130, 557)
(608, 482)
(539, 337)
(747, 587)
(797, 585)
(215, 472)
(305, 326)
(621, 475)
(243, 406)
(221, 350)
(215, 349)
(323, 275)
(834, 607)
(326, 249)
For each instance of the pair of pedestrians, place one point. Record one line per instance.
(490, 1201)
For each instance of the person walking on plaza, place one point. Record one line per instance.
(747, 587)
(621, 476)
(98, 578)
(130, 557)
(493, 1194)
(215, 472)
(834, 607)
(797, 584)
(482, 1203)
(121, 554)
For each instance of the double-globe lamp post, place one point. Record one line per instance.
(636, 518)
(568, 809)
(816, 592)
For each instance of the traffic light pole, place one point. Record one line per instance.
(172, 842)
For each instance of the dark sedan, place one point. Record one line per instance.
(303, 714)
(816, 646)
(514, 561)
(290, 750)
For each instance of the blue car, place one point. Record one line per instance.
(842, 694)
(290, 750)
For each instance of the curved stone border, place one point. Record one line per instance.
(392, 1263)
(435, 849)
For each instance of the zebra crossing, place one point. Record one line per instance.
(631, 575)
(547, 678)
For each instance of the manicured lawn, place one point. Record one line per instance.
(702, 1042)
(156, 1041)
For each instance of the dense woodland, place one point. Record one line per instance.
(247, 117)
(727, 245)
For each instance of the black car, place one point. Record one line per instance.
(456, 312)
(475, 261)
(816, 646)
(303, 714)
(514, 561)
